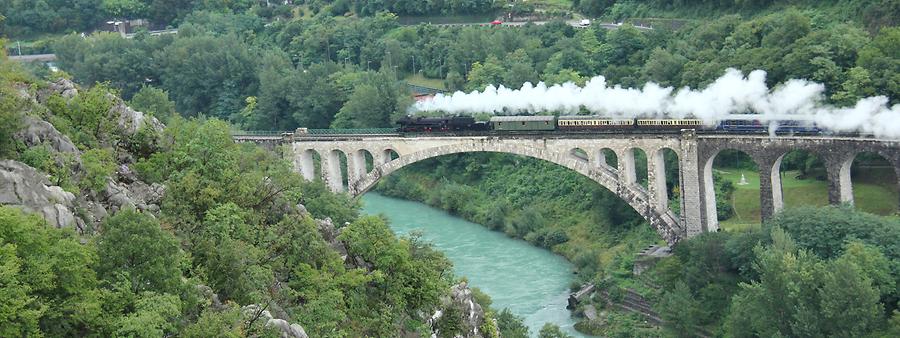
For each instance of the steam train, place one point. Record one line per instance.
(541, 123)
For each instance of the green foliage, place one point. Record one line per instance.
(489, 329)
(155, 102)
(17, 316)
(511, 326)
(798, 294)
(57, 165)
(136, 249)
(98, 165)
(823, 231)
(550, 330)
(48, 286)
(451, 323)
(155, 315)
(376, 101)
(680, 310)
(11, 108)
(212, 323)
(211, 74)
(85, 118)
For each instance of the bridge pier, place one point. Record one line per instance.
(656, 180)
(776, 187)
(304, 163)
(768, 190)
(840, 186)
(356, 165)
(692, 202)
(331, 171)
(627, 171)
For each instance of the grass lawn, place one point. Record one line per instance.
(869, 195)
(420, 80)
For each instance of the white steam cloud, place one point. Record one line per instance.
(732, 96)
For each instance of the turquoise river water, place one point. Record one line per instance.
(531, 282)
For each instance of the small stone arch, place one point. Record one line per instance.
(359, 163)
(664, 221)
(629, 163)
(580, 154)
(306, 162)
(876, 162)
(708, 184)
(606, 158)
(387, 155)
(657, 175)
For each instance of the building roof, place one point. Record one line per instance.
(590, 117)
(522, 118)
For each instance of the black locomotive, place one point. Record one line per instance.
(410, 124)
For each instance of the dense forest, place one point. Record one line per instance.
(335, 71)
(343, 64)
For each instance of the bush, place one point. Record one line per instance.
(98, 165)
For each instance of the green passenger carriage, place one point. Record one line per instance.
(523, 123)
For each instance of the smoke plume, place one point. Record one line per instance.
(732, 96)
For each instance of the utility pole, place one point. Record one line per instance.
(19, 47)
(414, 64)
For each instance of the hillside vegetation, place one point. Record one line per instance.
(230, 249)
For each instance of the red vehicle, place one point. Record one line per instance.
(496, 22)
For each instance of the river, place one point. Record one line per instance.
(532, 282)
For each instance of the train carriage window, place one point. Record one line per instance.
(547, 123)
(523, 123)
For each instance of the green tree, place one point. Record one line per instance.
(85, 118)
(519, 70)
(857, 86)
(798, 294)
(20, 312)
(679, 310)
(53, 282)
(664, 68)
(125, 8)
(483, 74)
(210, 74)
(155, 315)
(454, 81)
(98, 165)
(155, 102)
(550, 330)
(510, 325)
(11, 114)
(136, 249)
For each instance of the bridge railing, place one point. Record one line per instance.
(256, 133)
(361, 131)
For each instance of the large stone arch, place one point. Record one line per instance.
(664, 221)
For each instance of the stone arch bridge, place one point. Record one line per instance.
(585, 154)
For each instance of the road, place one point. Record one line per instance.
(573, 23)
(33, 57)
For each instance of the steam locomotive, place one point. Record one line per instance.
(541, 123)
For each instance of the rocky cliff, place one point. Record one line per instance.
(27, 188)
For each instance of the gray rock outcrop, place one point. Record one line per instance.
(330, 234)
(37, 132)
(462, 298)
(287, 329)
(26, 188)
(123, 190)
(129, 120)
